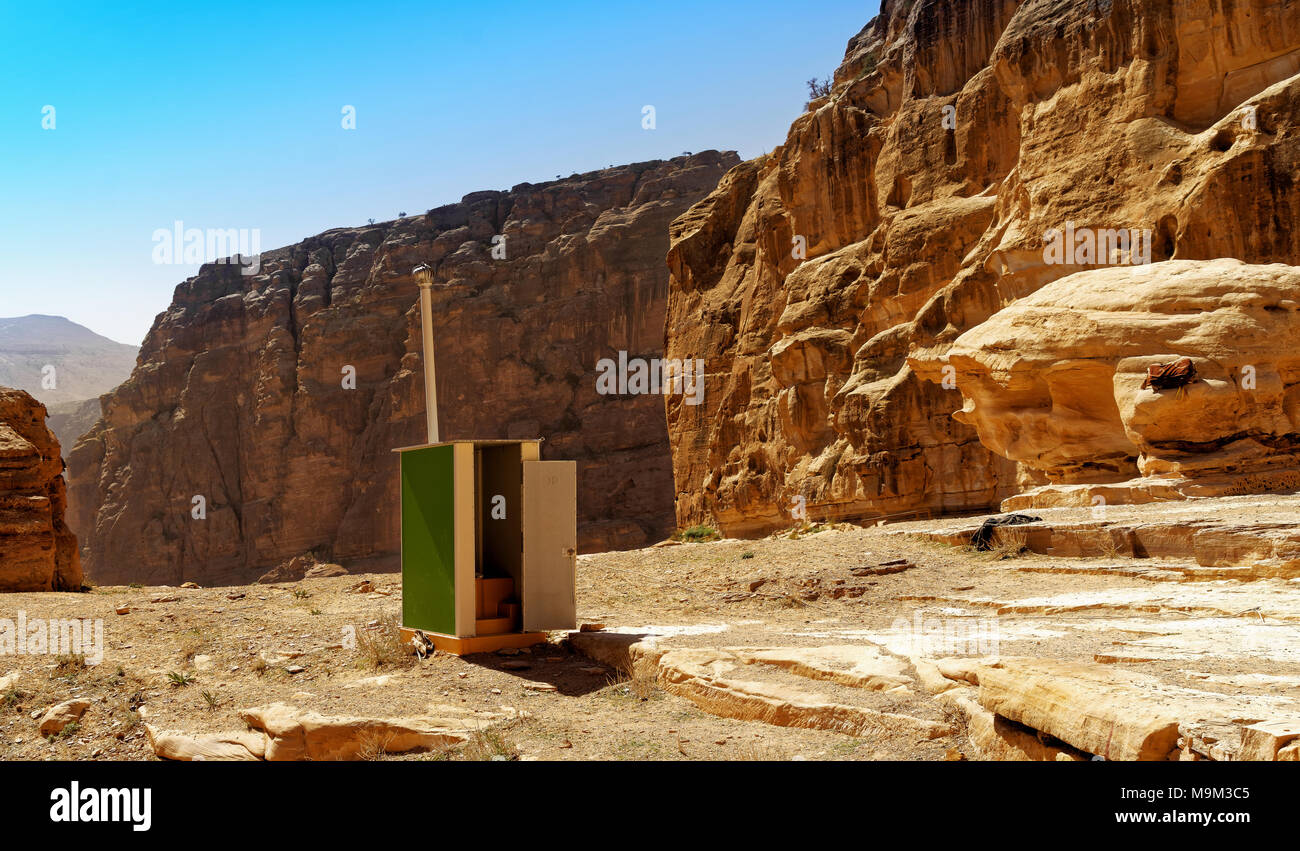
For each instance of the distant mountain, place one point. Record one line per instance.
(65, 365)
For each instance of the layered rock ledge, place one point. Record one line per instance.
(37, 550)
(1055, 383)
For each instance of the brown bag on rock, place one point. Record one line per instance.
(1167, 376)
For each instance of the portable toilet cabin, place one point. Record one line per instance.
(489, 544)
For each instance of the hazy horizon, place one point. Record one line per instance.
(158, 119)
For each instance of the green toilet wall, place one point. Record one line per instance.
(428, 540)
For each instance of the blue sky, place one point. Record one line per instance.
(228, 115)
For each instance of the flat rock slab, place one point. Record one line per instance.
(714, 680)
(295, 734)
(1225, 638)
(855, 665)
(206, 747)
(708, 679)
(1257, 535)
(996, 738)
(1271, 740)
(1272, 600)
(281, 733)
(1120, 715)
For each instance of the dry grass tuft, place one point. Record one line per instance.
(488, 745)
(69, 665)
(381, 646)
(954, 717)
(756, 752)
(640, 679)
(1009, 543)
(374, 745)
(1111, 548)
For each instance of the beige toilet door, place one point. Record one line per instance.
(550, 520)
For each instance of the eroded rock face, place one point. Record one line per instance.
(958, 135)
(37, 550)
(1054, 381)
(240, 394)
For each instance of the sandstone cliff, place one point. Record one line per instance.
(70, 420)
(37, 551)
(917, 199)
(240, 394)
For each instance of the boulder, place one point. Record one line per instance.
(295, 734)
(1055, 381)
(56, 718)
(213, 747)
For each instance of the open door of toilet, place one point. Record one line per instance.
(550, 558)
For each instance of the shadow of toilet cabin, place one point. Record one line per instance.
(489, 533)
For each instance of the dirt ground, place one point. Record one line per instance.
(190, 659)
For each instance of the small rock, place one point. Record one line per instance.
(322, 571)
(591, 627)
(62, 715)
(123, 610)
(295, 669)
(191, 585)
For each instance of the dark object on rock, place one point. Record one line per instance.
(1168, 376)
(884, 568)
(983, 537)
